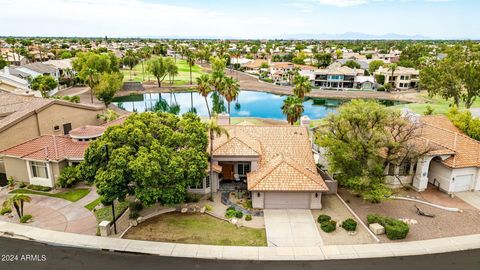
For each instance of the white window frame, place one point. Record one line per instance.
(243, 168)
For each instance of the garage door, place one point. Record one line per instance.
(462, 182)
(287, 200)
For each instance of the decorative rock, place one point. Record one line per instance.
(202, 210)
(234, 221)
(376, 228)
(352, 233)
(139, 219)
(134, 223)
(184, 210)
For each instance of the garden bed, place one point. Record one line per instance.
(195, 228)
(72, 195)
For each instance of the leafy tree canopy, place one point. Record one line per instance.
(153, 156)
(44, 84)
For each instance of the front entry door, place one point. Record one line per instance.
(227, 171)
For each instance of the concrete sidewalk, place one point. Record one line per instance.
(244, 253)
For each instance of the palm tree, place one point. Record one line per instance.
(191, 62)
(293, 108)
(204, 88)
(91, 73)
(302, 86)
(230, 92)
(393, 67)
(214, 129)
(17, 202)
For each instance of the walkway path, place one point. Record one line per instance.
(291, 228)
(472, 198)
(56, 214)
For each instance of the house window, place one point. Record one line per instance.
(39, 169)
(56, 128)
(391, 169)
(404, 168)
(207, 181)
(243, 169)
(66, 128)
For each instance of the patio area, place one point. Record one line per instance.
(444, 224)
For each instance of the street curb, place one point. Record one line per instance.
(432, 246)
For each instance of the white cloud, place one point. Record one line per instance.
(343, 3)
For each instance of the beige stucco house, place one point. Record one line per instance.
(275, 162)
(402, 78)
(452, 163)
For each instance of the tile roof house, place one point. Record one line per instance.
(452, 163)
(275, 162)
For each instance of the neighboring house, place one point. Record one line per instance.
(37, 69)
(24, 118)
(254, 66)
(452, 163)
(335, 77)
(364, 64)
(15, 59)
(387, 57)
(402, 78)
(12, 84)
(39, 161)
(64, 66)
(275, 162)
(364, 82)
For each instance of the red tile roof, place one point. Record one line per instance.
(48, 147)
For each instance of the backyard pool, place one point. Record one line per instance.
(248, 104)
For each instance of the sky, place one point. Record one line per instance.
(251, 19)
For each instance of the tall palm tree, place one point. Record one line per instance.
(214, 129)
(204, 88)
(293, 108)
(17, 202)
(191, 62)
(230, 92)
(393, 67)
(302, 86)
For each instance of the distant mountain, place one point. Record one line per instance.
(351, 36)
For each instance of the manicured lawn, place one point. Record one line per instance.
(93, 203)
(72, 195)
(437, 103)
(182, 78)
(105, 213)
(196, 229)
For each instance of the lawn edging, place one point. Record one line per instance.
(358, 219)
(433, 246)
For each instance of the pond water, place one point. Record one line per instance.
(248, 104)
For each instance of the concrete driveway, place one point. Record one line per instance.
(472, 198)
(291, 228)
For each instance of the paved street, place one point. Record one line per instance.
(76, 258)
(291, 228)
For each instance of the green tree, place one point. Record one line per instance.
(190, 57)
(204, 88)
(214, 130)
(361, 139)
(159, 68)
(108, 115)
(352, 64)
(17, 201)
(322, 59)
(108, 86)
(231, 92)
(292, 108)
(130, 59)
(3, 62)
(152, 156)
(465, 122)
(44, 84)
(302, 86)
(374, 66)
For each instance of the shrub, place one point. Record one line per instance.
(11, 181)
(323, 218)
(328, 226)
(248, 204)
(230, 213)
(133, 215)
(208, 207)
(231, 208)
(39, 188)
(189, 198)
(248, 217)
(238, 214)
(396, 229)
(22, 185)
(25, 218)
(381, 89)
(69, 176)
(5, 210)
(374, 218)
(135, 208)
(349, 225)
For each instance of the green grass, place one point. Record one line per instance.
(196, 229)
(105, 213)
(437, 103)
(72, 195)
(182, 78)
(93, 203)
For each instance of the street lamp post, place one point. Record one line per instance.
(105, 148)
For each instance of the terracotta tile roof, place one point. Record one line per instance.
(48, 147)
(440, 130)
(286, 161)
(87, 131)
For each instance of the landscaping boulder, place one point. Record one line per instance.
(202, 210)
(234, 221)
(139, 219)
(133, 223)
(376, 228)
(184, 210)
